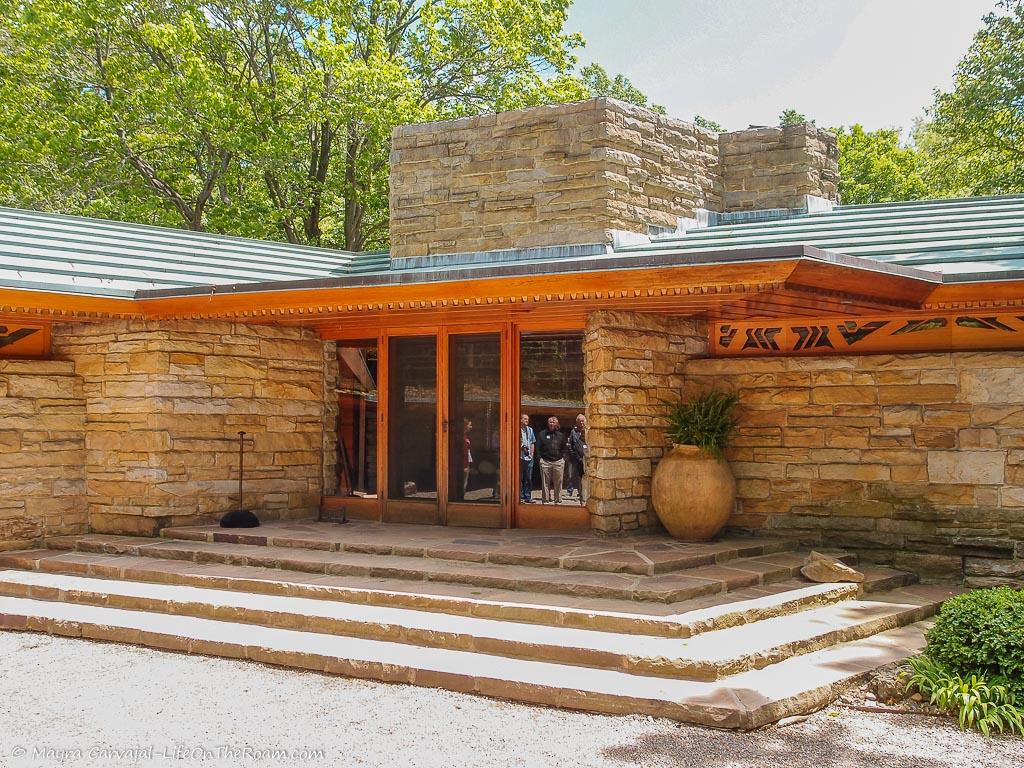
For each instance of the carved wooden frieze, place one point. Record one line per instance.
(868, 335)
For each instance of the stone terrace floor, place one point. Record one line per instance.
(644, 554)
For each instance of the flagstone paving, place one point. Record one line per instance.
(725, 633)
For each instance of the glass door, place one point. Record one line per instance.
(412, 435)
(474, 431)
(552, 479)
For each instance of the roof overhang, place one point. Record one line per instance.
(781, 281)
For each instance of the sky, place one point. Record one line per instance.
(741, 62)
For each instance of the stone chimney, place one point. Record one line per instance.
(775, 167)
(572, 174)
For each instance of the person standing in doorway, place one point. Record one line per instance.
(577, 455)
(552, 462)
(527, 449)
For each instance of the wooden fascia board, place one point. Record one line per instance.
(64, 307)
(512, 291)
(995, 293)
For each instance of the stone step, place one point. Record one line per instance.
(747, 700)
(707, 656)
(676, 619)
(663, 588)
(640, 555)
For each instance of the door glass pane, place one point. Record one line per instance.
(412, 418)
(474, 443)
(357, 418)
(551, 387)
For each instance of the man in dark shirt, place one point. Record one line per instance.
(551, 447)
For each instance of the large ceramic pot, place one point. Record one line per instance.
(693, 494)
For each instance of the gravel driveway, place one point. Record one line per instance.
(73, 702)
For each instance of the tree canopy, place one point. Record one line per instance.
(975, 137)
(267, 119)
(272, 119)
(875, 168)
(790, 116)
(599, 83)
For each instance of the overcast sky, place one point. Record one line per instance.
(742, 62)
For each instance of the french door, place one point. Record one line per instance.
(447, 422)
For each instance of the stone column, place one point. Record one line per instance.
(634, 362)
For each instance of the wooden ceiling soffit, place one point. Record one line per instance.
(678, 287)
(890, 333)
(877, 288)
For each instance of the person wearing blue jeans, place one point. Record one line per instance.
(527, 449)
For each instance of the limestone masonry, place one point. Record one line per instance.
(634, 363)
(42, 452)
(160, 405)
(574, 173)
(915, 460)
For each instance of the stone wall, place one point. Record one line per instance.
(42, 454)
(164, 402)
(776, 167)
(634, 361)
(915, 460)
(546, 176)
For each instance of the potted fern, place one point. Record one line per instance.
(693, 490)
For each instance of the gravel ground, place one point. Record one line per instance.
(73, 702)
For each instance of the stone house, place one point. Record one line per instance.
(588, 258)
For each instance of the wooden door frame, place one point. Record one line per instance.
(400, 510)
(509, 513)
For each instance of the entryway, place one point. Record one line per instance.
(429, 427)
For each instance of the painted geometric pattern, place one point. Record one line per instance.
(839, 336)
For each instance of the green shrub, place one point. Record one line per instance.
(982, 633)
(704, 420)
(979, 705)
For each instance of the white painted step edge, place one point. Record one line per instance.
(732, 648)
(748, 700)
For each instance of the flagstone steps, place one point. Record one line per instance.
(692, 582)
(746, 700)
(641, 555)
(677, 619)
(707, 656)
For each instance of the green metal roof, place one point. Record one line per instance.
(954, 236)
(966, 239)
(73, 254)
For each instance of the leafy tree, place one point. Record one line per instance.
(598, 83)
(975, 139)
(268, 119)
(875, 168)
(708, 124)
(790, 116)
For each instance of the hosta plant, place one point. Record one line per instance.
(978, 704)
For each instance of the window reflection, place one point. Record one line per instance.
(475, 418)
(551, 402)
(412, 418)
(357, 418)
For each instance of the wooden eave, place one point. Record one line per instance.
(795, 282)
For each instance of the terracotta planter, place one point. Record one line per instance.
(693, 494)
